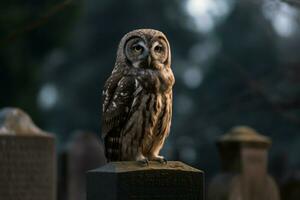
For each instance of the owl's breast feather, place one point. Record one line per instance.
(157, 81)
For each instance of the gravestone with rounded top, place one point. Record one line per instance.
(27, 159)
(244, 175)
(131, 181)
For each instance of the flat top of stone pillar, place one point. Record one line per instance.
(130, 166)
(14, 121)
(244, 134)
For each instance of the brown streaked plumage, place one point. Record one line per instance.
(137, 98)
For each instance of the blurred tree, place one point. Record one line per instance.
(251, 82)
(235, 62)
(28, 31)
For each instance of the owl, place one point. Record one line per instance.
(137, 98)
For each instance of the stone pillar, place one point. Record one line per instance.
(131, 181)
(27, 158)
(244, 175)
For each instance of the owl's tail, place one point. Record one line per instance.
(113, 146)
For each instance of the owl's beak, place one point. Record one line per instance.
(149, 60)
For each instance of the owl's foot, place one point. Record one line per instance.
(144, 162)
(159, 159)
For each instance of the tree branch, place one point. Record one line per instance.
(257, 88)
(35, 24)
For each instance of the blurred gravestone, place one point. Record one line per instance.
(244, 163)
(62, 176)
(84, 152)
(27, 158)
(130, 181)
(290, 189)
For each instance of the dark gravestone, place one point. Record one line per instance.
(84, 152)
(27, 159)
(129, 180)
(290, 189)
(62, 176)
(244, 163)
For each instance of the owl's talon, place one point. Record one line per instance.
(144, 162)
(160, 159)
(164, 161)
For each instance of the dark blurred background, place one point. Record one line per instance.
(236, 62)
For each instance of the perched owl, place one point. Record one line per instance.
(137, 98)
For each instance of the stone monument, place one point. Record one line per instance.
(27, 158)
(84, 152)
(128, 180)
(290, 188)
(244, 175)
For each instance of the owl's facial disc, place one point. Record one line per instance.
(136, 51)
(149, 53)
(158, 53)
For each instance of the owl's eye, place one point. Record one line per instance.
(138, 48)
(158, 48)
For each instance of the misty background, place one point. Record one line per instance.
(236, 62)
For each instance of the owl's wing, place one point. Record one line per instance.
(117, 99)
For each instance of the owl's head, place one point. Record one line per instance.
(145, 48)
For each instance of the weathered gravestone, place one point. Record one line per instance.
(243, 154)
(130, 181)
(84, 152)
(27, 158)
